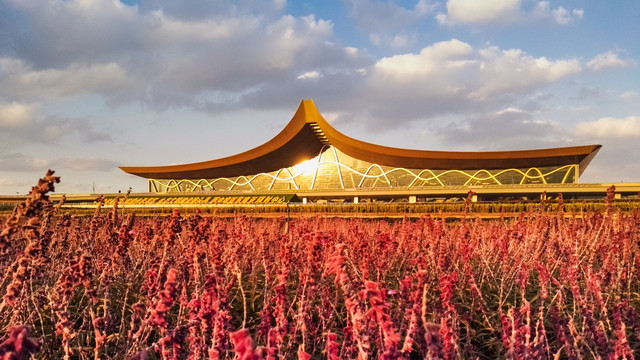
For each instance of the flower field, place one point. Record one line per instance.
(544, 285)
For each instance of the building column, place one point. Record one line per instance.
(304, 200)
(412, 199)
(355, 199)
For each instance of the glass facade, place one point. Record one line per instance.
(332, 170)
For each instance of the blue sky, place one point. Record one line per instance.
(88, 85)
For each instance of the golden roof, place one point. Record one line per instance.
(307, 132)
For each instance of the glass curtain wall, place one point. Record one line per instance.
(332, 169)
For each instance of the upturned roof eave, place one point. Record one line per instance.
(297, 142)
(284, 142)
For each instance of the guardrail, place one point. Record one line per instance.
(629, 190)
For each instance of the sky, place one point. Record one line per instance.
(90, 85)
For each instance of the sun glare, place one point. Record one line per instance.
(306, 166)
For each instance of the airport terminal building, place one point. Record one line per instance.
(310, 156)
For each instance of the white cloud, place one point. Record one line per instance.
(331, 117)
(168, 30)
(431, 59)
(401, 40)
(480, 12)
(18, 162)
(503, 12)
(22, 81)
(628, 95)
(15, 115)
(28, 126)
(289, 37)
(452, 77)
(82, 31)
(563, 16)
(610, 127)
(424, 7)
(61, 59)
(309, 75)
(280, 4)
(509, 128)
(509, 110)
(162, 55)
(607, 60)
(504, 71)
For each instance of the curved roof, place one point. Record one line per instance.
(307, 132)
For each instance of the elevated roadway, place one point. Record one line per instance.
(482, 193)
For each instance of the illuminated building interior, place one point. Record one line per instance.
(332, 169)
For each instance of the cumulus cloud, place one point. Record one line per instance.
(610, 128)
(452, 76)
(21, 81)
(163, 56)
(54, 129)
(515, 71)
(431, 59)
(616, 161)
(15, 115)
(607, 60)
(480, 12)
(279, 52)
(559, 15)
(563, 16)
(54, 34)
(19, 162)
(421, 84)
(180, 60)
(618, 156)
(160, 55)
(509, 128)
(48, 130)
(504, 12)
